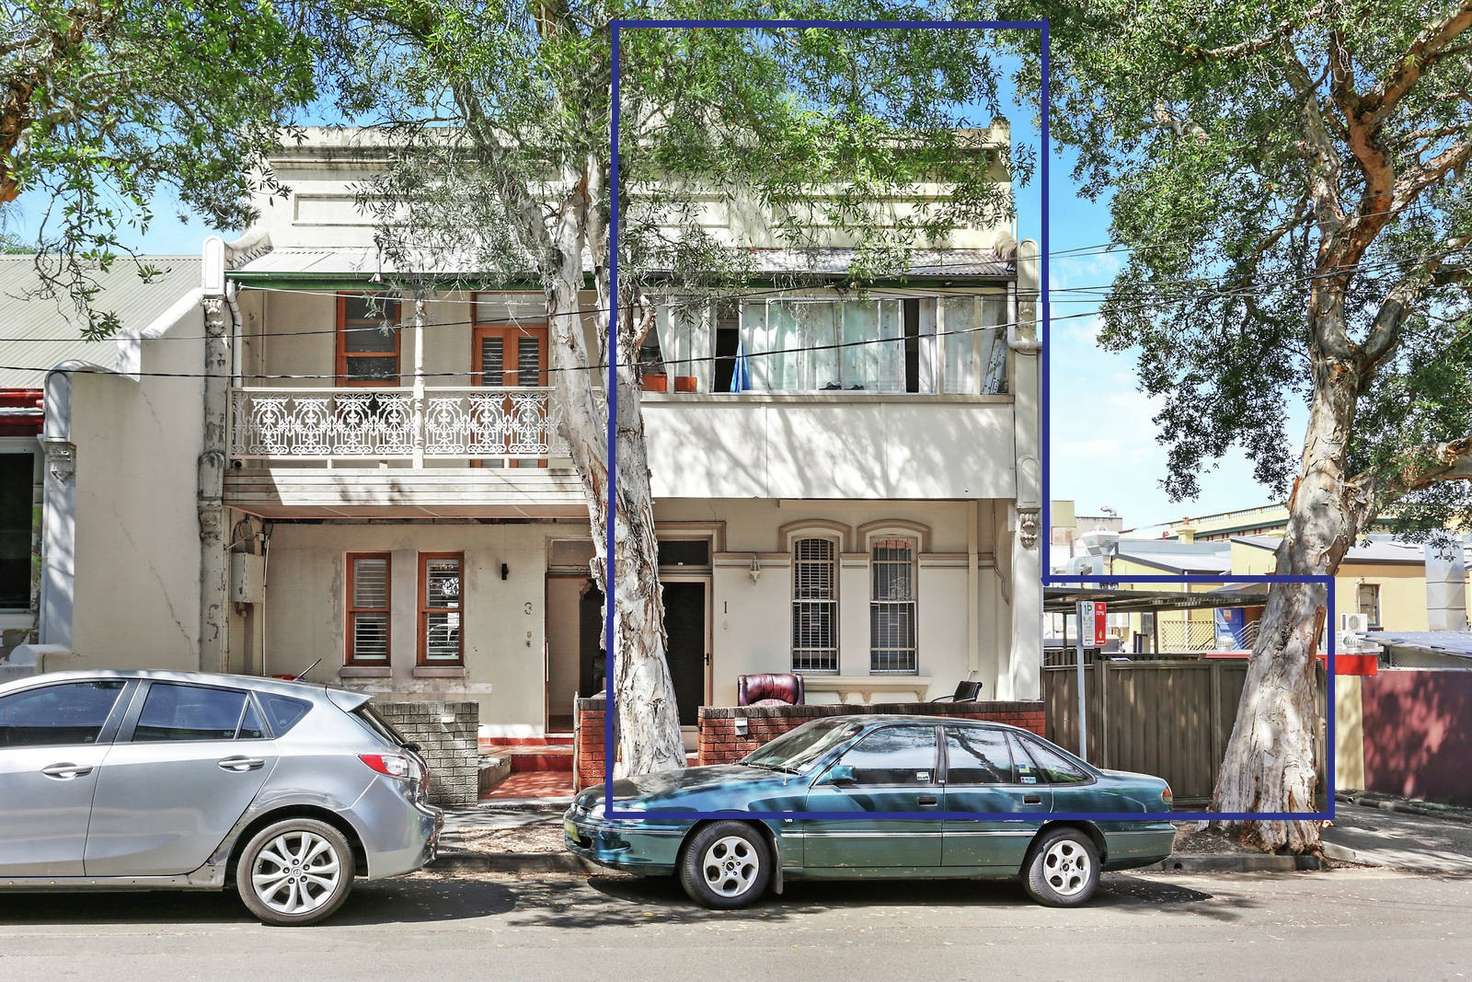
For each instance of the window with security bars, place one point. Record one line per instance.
(892, 647)
(369, 578)
(814, 605)
(441, 608)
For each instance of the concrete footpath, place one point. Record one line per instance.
(1396, 839)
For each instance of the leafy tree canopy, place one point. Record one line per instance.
(107, 101)
(1289, 179)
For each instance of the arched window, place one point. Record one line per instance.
(814, 605)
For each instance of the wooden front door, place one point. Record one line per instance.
(511, 356)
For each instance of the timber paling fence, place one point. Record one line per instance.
(1170, 718)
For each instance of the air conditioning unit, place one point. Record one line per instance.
(1355, 623)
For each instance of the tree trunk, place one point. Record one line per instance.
(648, 719)
(1269, 762)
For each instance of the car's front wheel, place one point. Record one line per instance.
(726, 865)
(294, 872)
(1062, 869)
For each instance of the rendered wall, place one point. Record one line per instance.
(136, 596)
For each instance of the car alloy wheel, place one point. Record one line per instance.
(730, 866)
(296, 873)
(1062, 868)
(726, 865)
(1066, 867)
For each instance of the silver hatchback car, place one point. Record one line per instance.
(172, 780)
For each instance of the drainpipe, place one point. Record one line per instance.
(220, 312)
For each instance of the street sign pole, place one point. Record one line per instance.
(1085, 631)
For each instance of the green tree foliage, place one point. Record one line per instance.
(495, 120)
(1289, 179)
(105, 102)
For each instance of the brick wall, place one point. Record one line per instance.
(588, 743)
(721, 744)
(446, 734)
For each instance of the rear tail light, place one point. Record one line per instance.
(390, 765)
(424, 781)
(1167, 797)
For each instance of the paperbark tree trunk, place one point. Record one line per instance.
(644, 695)
(1269, 761)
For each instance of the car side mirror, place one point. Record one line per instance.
(840, 774)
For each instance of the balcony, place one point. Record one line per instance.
(349, 452)
(506, 425)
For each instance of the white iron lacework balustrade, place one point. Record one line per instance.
(327, 424)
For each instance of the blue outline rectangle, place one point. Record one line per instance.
(1041, 26)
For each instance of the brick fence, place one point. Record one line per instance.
(589, 759)
(446, 734)
(720, 743)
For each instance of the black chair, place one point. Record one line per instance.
(965, 692)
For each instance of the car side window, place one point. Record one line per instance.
(283, 712)
(1044, 765)
(250, 724)
(977, 755)
(57, 715)
(189, 712)
(894, 755)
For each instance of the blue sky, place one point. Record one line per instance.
(1103, 448)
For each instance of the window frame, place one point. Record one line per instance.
(937, 775)
(351, 612)
(948, 728)
(341, 354)
(110, 725)
(1024, 742)
(422, 660)
(16, 446)
(915, 540)
(1374, 618)
(129, 728)
(836, 560)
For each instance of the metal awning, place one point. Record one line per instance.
(1061, 599)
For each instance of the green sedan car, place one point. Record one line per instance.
(820, 801)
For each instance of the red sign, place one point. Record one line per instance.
(1093, 619)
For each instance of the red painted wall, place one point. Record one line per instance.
(1418, 734)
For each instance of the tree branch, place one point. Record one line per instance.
(1430, 46)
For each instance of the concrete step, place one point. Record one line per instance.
(549, 757)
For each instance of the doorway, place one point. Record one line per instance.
(685, 633)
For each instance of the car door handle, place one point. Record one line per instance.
(241, 764)
(65, 772)
(928, 801)
(1032, 799)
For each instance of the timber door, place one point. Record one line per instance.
(684, 627)
(512, 356)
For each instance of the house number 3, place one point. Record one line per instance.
(527, 607)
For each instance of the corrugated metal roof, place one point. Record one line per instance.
(38, 333)
(364, 261)
(1380, 548)
(1440, 642)
(1178, 556)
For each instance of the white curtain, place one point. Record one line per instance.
(874, 354)
(685, 340)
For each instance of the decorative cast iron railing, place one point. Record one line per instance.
(473, 423)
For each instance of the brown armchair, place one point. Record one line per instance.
(770, 689)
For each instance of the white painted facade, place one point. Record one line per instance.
(739, 476)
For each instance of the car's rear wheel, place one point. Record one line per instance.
(726, 865)
(294, 872)
(1062, 869)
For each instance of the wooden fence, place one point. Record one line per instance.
(1167, 718)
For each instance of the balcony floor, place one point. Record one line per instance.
(404, 492)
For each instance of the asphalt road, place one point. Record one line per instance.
(1345, 924)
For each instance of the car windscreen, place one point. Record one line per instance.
(800, 748)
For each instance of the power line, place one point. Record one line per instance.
(601, 366)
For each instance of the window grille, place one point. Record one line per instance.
(814, 606)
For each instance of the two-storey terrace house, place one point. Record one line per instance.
(863, 510)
